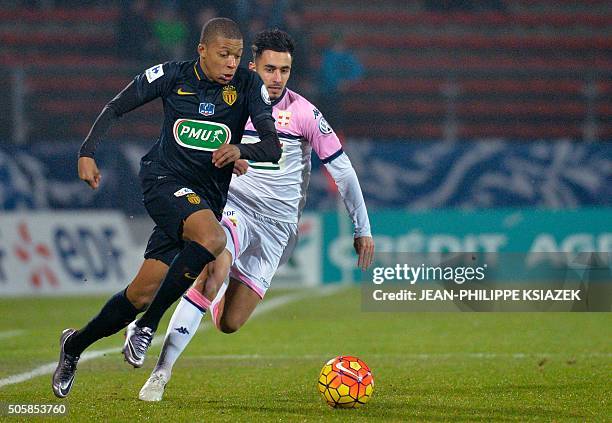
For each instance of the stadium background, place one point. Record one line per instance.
(501, 108)
(475, 126)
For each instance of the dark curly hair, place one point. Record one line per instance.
(272, 39)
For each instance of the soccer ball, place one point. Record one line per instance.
(346, 382)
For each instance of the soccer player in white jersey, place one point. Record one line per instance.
(262, 212)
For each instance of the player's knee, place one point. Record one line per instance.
(213, 240)
(229, 325)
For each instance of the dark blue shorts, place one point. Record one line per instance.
(169, 201)
(161, 247)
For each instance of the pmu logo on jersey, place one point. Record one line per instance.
(207, 109)
(229, 94)
(201, 135)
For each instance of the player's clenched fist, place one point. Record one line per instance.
(225, 155)
(88, 172)
(240, 167)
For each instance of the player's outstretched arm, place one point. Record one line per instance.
(128, 99)
(326, 144)
(142, 89)
(343, 173)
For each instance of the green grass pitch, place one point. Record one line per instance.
(426, 366)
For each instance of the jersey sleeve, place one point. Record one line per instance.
(260, 110)
(157, 81)
(260, 106)
(320, 134)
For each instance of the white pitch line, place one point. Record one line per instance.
(265, 307)
(10, 333)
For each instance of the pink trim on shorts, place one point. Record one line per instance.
(235, 273)
(199, 299)
(230, 225)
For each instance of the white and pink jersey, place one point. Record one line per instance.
(278, 190)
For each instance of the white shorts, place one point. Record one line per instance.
(258, 245)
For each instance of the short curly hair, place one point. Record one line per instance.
(272, 39)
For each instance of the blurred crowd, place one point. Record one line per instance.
(153, 31)
(161, 30)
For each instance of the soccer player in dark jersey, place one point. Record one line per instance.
(184, 177)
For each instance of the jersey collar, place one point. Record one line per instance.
(280, 97)
(200, 75)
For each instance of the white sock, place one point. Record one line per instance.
(183, 325)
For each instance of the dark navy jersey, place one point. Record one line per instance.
(199, 116)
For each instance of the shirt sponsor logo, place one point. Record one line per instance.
(207, 109)
(231, 216)
(229, 94)
(154, 72)
(183, 191)
(201, 135)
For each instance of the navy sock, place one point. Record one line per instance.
(116, 314)
(184, 269)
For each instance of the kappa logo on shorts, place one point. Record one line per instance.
(264, 282)
(194, 198)
(183, 191)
